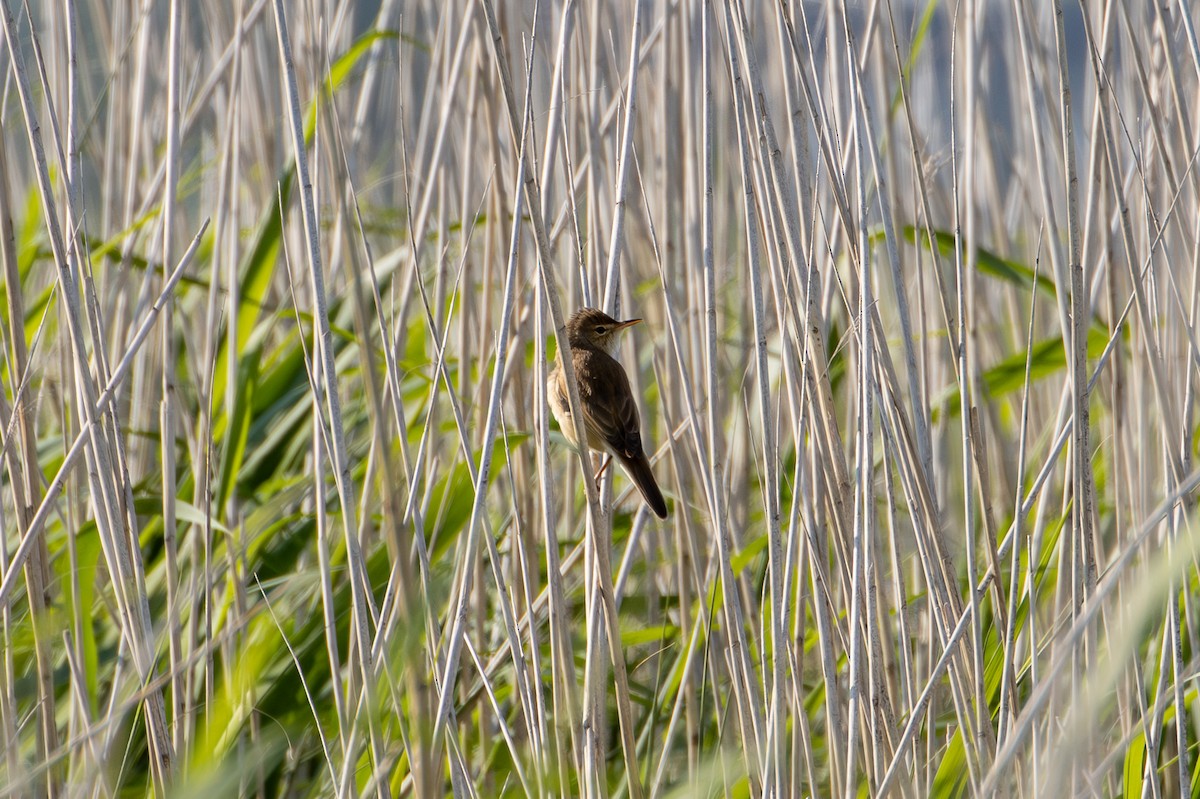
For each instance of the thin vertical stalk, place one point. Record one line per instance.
(864, 506)
(616, 241)
(167, 408)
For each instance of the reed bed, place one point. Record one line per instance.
(284, 513)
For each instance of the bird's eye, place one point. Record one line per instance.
(600, 330)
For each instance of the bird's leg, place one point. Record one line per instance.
(599, 474)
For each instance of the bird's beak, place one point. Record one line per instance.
(629, 323)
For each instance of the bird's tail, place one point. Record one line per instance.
(639, 471)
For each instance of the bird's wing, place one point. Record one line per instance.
(558, 385)
(610, 413)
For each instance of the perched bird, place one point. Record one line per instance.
(610, 416)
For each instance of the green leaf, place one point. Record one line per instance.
(986, 261)
(111, 250)
(748, 553)
(256, 272)
(1046, 357)
(450, 504)
(232, 432)
(951, 777)
(649, 635)
(348, 60)
(342, 68)
(87, 558)
(150, 504)
(1135, 763)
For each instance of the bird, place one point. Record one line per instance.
(610, 415)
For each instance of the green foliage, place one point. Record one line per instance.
(1135, 762)
(1045, 358)
(950, 780)
(986, 261)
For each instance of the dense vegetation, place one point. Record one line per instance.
(284, 513)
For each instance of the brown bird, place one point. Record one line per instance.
(610, 416)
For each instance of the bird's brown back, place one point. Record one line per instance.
(611, 415)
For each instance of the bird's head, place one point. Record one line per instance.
(591, 327)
